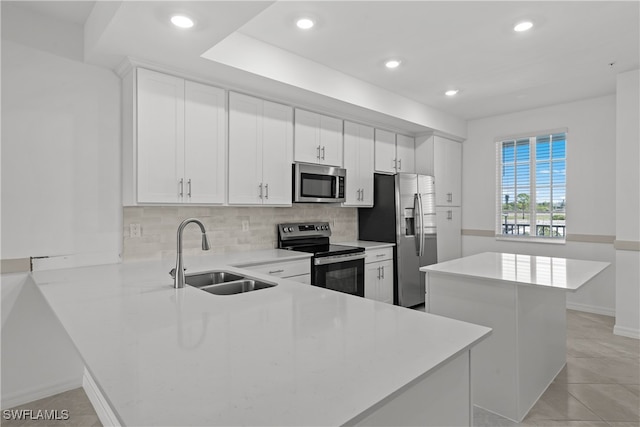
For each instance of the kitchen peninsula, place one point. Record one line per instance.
(292, 354)
(523, 298)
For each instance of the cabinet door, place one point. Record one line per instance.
(160, 137)
(385, 151)
(205, 154)
(306, 137)
(330, 141)
(245, 149)
(277, 153)
(385, 287)
(358, 161)
(447, 169)
(366, 164)
(351, 149)
(405, 153)
(449, 224)
(371, 280)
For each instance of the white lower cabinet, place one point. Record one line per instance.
(449, 227)
(378, 275)
(298, 270)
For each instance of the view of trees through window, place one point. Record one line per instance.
(532, 186)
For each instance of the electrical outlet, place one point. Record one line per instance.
(135, 230)
(245, 225)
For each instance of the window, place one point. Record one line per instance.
(532, 186)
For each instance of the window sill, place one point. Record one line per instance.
(543, 240)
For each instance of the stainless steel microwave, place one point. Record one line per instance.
(318, 184)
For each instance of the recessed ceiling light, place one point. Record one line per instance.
(305, 23)
(182, 21)
(392, 63)
(523, 26)
(451, 92)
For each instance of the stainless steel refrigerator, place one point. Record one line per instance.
(404, 213)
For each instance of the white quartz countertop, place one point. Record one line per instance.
(290, 355)
(560, 273)
(366, 244)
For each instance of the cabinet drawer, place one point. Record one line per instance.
(375, 255)
(283, 269)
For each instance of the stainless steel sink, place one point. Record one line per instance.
(225, 283)
(210, 278)
(238, 287)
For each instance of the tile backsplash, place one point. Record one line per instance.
(224, 224)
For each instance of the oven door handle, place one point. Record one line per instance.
(338, 258)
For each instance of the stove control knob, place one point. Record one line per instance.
(318, 227)
(284, 229)
(290, 229)
(325, 227)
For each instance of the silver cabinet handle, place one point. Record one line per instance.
(359, 194)
(276, 271)
(395, 163)
(181, 183)
(379, 255)
(318, 154)
(323, 152)
(400, 163)
(379, 272)
(449, 197)
(189, 187)
(362, 194)
(382, 271)
(266, 189)
(260, 186)
(449, 215)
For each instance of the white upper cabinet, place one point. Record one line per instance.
(405, 154)
(174, 140)
(385, 151)
(260, 151)
(205, 153)
(358, 161)
(394, 153)
(318, 138)
(442, 158)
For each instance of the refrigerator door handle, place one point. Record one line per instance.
(421, 234)
(417, 223)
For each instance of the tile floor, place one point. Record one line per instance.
(599, 387)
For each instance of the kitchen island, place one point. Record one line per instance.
(292, 354)
(523, 298)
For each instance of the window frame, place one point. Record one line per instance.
(532, 139)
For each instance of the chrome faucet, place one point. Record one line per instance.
(178, 272)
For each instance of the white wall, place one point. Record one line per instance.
(591, 196)
(628, 205)
(60, 145)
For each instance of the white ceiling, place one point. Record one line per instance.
(443, 44)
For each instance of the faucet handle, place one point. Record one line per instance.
(172, 273)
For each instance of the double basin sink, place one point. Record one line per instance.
(225, 283)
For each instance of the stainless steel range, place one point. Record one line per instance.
(336, 267)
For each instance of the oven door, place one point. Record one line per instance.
(342, 273)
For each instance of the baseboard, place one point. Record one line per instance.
(10, 400)
(591, 309)
(626, 332)
(102, 408)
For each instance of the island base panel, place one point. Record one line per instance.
(527, 347)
